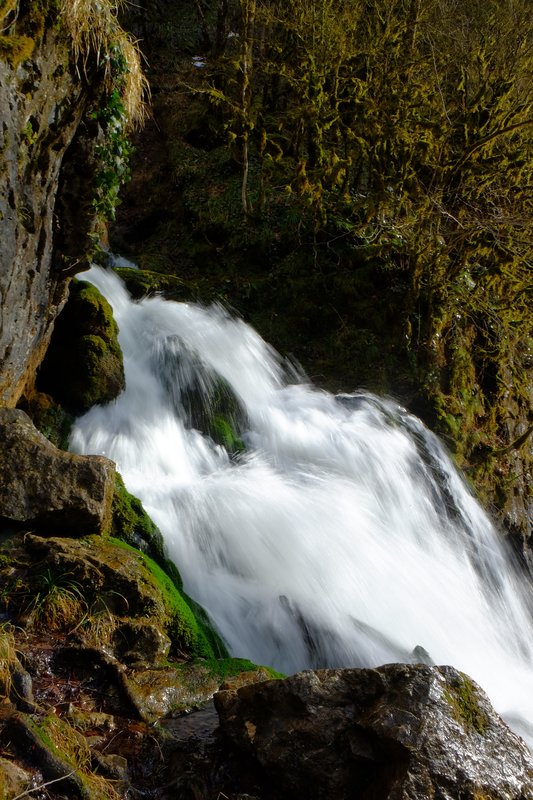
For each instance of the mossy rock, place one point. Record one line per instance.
(145, 283)
(83, 366)
(184, 687)
(114, 582)
(189, 633)
(131, 524)
(462, 696)
(62, 754)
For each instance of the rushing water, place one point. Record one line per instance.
(340, 536)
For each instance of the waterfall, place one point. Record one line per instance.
(330, 531)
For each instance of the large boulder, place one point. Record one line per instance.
(85, 349)
(398, 732)
(49, 488)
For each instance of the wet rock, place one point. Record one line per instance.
(90, 720)
(22, 688)
(49, 488)
(140, 642)
(175, 690)
(399, 732)
(112, 766)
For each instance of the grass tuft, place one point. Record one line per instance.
(8, 657)
(96, 33)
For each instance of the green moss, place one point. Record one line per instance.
(463, 700)
(42, 734)
(188, 631)
(67, 747)
(130, 522)
(84, 348)
(16, 49)
(143, 283)
(224, 433)
(229, 667)
(95, 311)
(6, 6)
(201, 678)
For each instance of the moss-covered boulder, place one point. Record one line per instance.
(95, 586)
(144, 283)
(83, 366)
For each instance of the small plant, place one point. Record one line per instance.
(7, 658)
(67, 744)
(113, 155)
(29, 134)
(59, 603)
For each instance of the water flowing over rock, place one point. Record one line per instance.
(399, 732)
(49, 488)
(318, 530)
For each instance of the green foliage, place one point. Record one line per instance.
(396, 134)
(114, 154)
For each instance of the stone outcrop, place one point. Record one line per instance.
(48, 488)
(84, 347)
(93, 651)
(399, 732)
(47, 173)
(39, 114)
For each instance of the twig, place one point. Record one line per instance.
(42, 785)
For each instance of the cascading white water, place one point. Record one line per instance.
(341, 536)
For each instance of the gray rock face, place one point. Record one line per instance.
(42, 103)
(398, 732)
(49, 488)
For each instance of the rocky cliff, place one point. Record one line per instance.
(59, 92)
